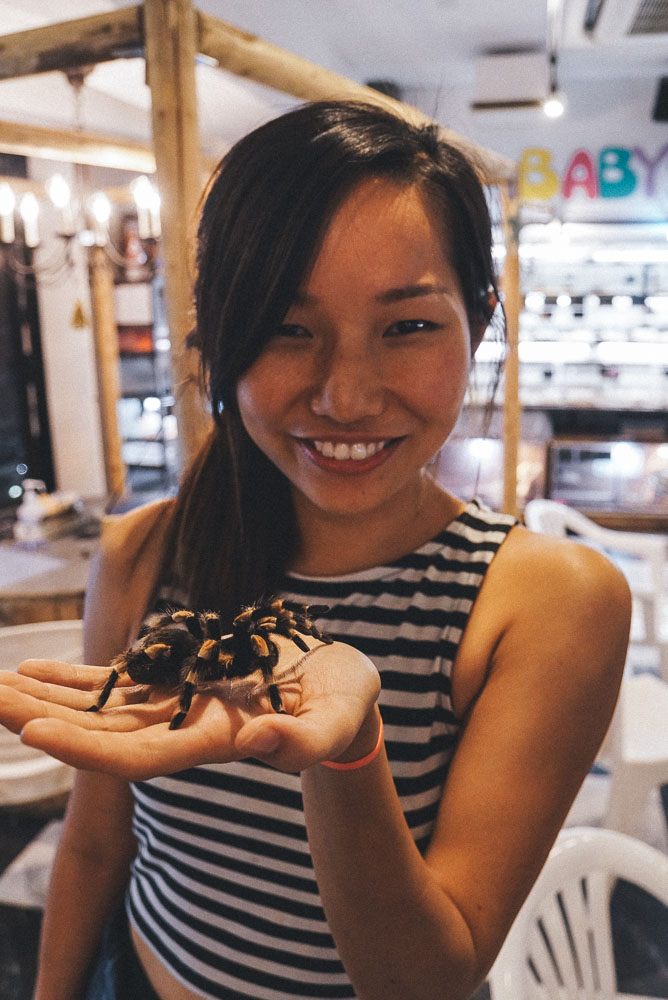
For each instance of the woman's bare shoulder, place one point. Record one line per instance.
(559, 564)
(537, 590)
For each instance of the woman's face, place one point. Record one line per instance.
(363, 382)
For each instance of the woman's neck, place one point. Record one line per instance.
(332, 545)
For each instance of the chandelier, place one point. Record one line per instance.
(40, 225)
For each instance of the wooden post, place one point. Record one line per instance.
(108, 376)
(170, 47)
(511, 401)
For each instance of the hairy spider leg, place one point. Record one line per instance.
(191, 622)
(110, 684)
(275, 699)
(207, 652)
(211, 625)
(297, 639)
(266, 652)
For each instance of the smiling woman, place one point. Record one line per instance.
(364, 379)
(366, 819)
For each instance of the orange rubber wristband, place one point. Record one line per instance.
(354, 765)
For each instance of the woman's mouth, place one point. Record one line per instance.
(349, 456)
(343, 452)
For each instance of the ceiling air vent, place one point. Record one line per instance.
(508, 80)
(614, 22)
(650, 18)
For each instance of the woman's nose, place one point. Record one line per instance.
(349, 387)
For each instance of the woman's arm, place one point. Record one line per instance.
(541, 664)
(90, 872)
(92, 864)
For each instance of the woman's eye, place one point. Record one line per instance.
(410, 326)
(292, 330)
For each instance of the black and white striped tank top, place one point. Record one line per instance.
(223, 888)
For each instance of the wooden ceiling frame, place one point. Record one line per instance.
(170, 34)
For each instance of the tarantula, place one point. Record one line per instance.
(186, 649)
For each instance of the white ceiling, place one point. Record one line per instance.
(427, 47)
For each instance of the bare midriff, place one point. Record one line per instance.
(162, 981)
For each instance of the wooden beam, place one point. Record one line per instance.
(251, 57)
(68, 146)
(512, 413)
(171, 35)
(70, 45)
(108, 367)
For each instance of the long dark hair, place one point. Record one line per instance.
(265, 211)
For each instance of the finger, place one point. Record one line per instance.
(70, 697)
(75, 675)
(135, 756)
(17, 709)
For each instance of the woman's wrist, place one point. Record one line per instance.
(365, 746)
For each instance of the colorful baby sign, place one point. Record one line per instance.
(614, 172)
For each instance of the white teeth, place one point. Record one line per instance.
(344, 452)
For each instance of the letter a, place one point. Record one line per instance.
(580, 173)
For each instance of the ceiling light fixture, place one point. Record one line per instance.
(553, 105)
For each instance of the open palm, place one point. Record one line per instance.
(326, 693)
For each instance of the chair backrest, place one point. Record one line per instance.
(558, 519)
(560, 945)
(551, 518)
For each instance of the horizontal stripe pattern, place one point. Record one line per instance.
(223, 888)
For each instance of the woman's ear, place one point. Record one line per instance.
(487, 306)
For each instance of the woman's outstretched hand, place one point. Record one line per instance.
(327, 693)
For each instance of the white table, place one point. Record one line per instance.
(46, 582)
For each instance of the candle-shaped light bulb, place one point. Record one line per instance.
(7, 204)
(142, 194)
(29, 212)
(100, 207)
(154, 212)
(58, 191)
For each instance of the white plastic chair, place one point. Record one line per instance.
(636, 748)
(641, 557)
(28, 775)
(560, 945)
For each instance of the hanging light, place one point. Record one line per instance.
(29, 212)
(553, 105)
(7, 206)
(100, 208)
(147, 201)
(58, 191)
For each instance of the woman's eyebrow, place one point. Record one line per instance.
(410, 292)
(387, 297)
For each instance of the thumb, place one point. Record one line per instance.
(283, 741)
